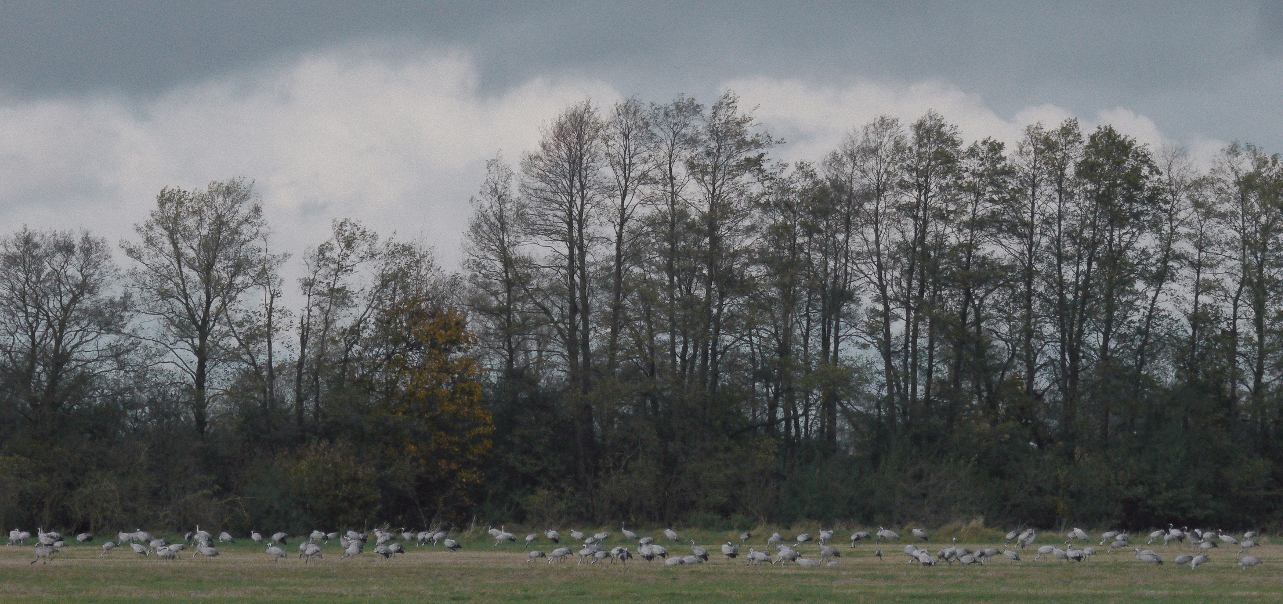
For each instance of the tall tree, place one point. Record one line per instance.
(61, 323)
(197, 255)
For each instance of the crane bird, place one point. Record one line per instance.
(699, 552)
(756, 558)
(672, 535)
(1248, 561)
(530, 539)
(1198, 561)
(279, 537)
(1183, 559)
(558, 555)
(106, 547)
(165, 553)
(887, 534)
(530, 557)
(504, 536)
(602, 536)
(807, 562)
(921, 534)
(1148, 557)
(645, 541)
(313, 551)
(858, 536)
(825, 537)
(205, 550)
(46, 552)
(140, 549)
(276, 553)
(452, 545)
(256, 537)
(629, 535)
(745, 536)
(774, 539)
(226, 537)
(316, 536)
(827, 552)
(576, 535)
(552, 536)
(1012, 556)
(84, 537)
(730, 550)
(803, 538)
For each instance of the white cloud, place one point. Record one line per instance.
(397, 139)
(400, 145)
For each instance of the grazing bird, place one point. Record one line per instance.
(878, 553)
(786, 555)
(279, 538)
(825, 536)
(530, 557)
(46, 552)
(672, 535)
(558, 554)
(921, 534)
(530, 539)
(504, 536)
(620, 554)
(383, 550)
(827, 552)
(576, 535)
(317, 536)
(1183, 559)
(552, 536)
(803, 538)
(1248, 561)
(164, 553)
(84, 537)
(452, 545)
(1013, 556)
(226, 537)
(276, 553)
(807, 563)
(1198, 561)
(106, 547)
(206, 550)
(646, 541)
(730, 551)
(887, 534)
(745, 536)
(313, 551)
(1148, 557)
(140, 549)
(602, 536)
(756, 558)
(858, 536)
(774, 539)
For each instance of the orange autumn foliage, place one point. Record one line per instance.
(438, 435)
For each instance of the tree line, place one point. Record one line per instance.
(658, 321)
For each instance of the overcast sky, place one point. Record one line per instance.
(388, 113)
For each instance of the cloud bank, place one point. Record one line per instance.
(397, 140)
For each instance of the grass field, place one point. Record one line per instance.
(480, 572)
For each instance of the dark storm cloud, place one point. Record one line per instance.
(1210, 68)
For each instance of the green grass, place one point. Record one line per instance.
(480, 572)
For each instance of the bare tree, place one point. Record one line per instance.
(60, 322)
(198, 254)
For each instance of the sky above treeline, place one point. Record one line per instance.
(387, 112)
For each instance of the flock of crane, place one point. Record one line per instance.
(593, 547)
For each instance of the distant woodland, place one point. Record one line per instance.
(657, 321)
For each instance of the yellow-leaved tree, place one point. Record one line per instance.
(434, 433)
